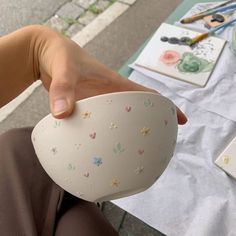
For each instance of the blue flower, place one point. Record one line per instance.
(97, 161)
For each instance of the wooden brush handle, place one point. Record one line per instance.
(200, 37)
(192, 18)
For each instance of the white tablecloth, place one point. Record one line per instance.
(193, 196)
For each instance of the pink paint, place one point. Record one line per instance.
(170, 57)
(86, 174)
(92, 135)
(128, 108)
(140, 151)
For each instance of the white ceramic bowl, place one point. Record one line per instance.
(114, 145)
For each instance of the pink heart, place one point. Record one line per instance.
(128, 108)
(140, 151)
(86, 174)
(92, 135)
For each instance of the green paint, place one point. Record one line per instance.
(118, 149)
(190, 63)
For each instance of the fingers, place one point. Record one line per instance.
(182, 119)
(61, 98)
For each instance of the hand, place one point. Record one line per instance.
(71, 74)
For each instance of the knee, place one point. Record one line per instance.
(15, 137)
(16, 143)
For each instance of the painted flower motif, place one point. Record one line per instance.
(54, 150)
(226, 159)
(118, 149)
(170, 57)
(139, 170)
(86, 114)
(190, 63)
(86, 174)
(113, 126)
(57, 123)
(145, 131)
(78, 146)
(140, 151)
(173, 110)
(109, 101)
(92, 135)
(71, 167)
(148, 103)
(97, 161)
(128, 108)
(115, 183)
(79, 194)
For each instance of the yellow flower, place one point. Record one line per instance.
(86, 115)
(145, 131)
(115, 183)
(226, 159)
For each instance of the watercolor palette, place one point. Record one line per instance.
(164, 54)
(114, 145)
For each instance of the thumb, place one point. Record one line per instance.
(61, 98)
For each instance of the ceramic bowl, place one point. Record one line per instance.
(114, 145)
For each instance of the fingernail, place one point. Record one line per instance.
(60, 106)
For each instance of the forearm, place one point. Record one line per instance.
(19, 59)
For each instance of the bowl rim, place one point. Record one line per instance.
(104, 95)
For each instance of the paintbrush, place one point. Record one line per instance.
(202, 36)
(210, 11)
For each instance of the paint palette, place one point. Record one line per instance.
(114, 145)
(170, 57)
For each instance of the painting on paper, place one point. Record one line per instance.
(166, 54)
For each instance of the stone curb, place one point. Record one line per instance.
(85, 35)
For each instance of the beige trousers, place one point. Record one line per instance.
(32, 204)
